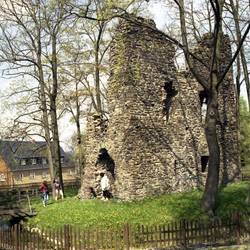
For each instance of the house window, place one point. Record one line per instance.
(33, 161)
(62, 159)
(2, 177)
(32, 176)
(23, 162)
(44, 161)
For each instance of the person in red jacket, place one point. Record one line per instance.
(45, 193)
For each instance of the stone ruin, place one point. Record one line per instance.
(154, 141)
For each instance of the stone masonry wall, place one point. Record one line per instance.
(228, 127)
(155, 134)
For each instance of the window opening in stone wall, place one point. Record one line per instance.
(105, 160)
(204, 163)
(169, 93)
(203, 104)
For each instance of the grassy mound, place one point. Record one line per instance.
(151, 211)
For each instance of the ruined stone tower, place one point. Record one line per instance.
(154, 139)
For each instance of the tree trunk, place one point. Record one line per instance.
(80, 152)
(53, 112)
(212, 117)
(97, 77)
(212, 181)
(78, 131)
(55, 142)
(46, 129)
(44, 110)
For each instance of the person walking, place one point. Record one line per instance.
(45, 193)
(58, 190)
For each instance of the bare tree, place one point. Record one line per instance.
(30, 34)
(211, 86)
(87, 71)
(22, 50)
(234, 8)
(83, 76)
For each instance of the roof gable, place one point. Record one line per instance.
(13, 151)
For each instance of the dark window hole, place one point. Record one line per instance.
(204, 162)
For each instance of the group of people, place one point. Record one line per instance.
(44, 189)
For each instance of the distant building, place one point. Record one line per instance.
(24, 163)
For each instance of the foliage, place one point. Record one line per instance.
(233, 198)
(245, 133)
(151, 211)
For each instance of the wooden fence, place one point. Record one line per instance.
(180, 234)
(32, 188)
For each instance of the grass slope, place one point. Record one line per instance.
(151, 211)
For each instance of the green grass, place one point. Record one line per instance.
(151, 211)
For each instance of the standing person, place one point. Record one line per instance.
(58, 189)
(105, 187)
(45, 193)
